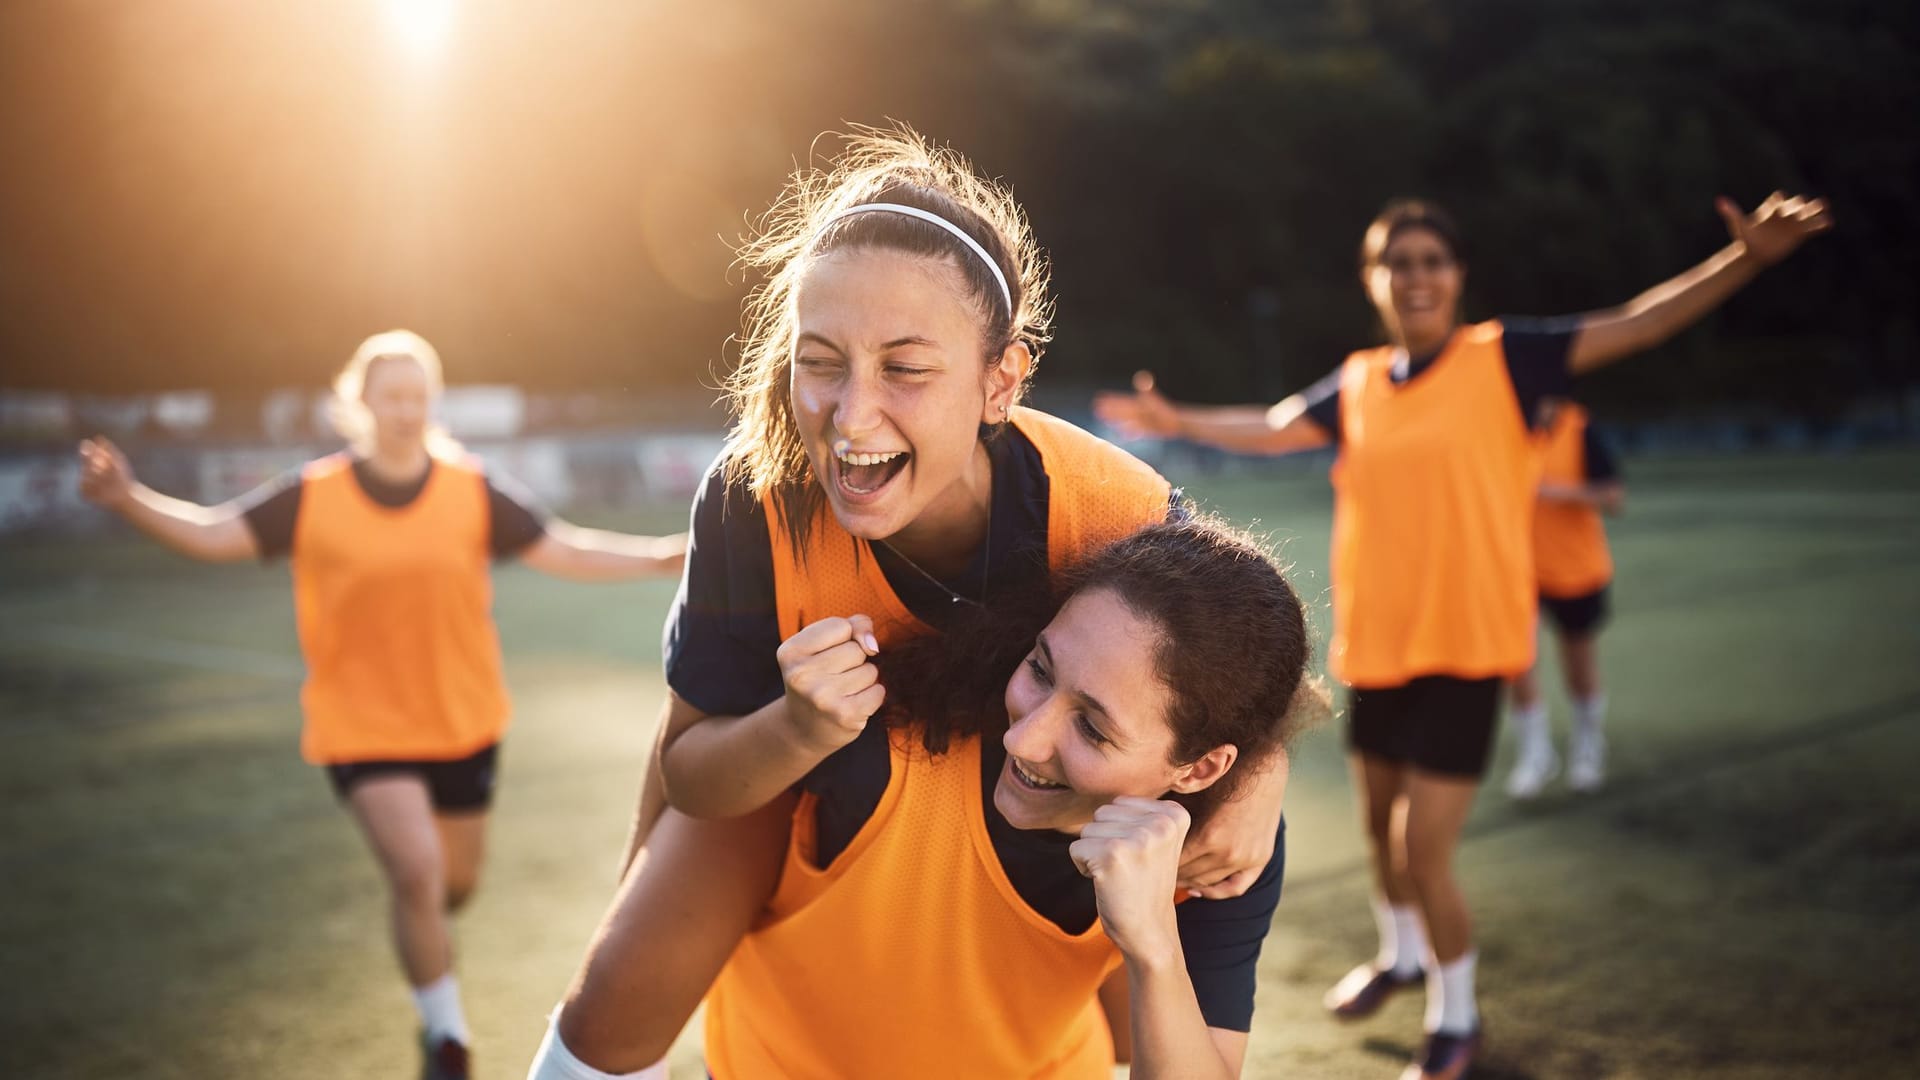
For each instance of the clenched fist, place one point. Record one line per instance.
(1131, 850)
(832, 685)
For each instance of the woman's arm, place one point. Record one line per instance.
(208, 533)
(1243, 429)
(725, 766)
(1772, 232)
(1609, 497)
(1131, 850)
(569, 551)
(1170, 1037)
(1224, 856)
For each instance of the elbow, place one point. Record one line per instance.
(684, 791)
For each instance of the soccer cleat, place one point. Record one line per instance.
(1587, 761)
(1538, 764)
(1364, 989)
(1445, 1057)
(445, 1058)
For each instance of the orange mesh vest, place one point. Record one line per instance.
(912, 955)
(1433, 515)
(394, 608)
(1569, 542)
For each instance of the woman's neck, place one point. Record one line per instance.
(947, 534)
(1428, 344)
(398, 464)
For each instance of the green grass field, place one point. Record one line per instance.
(180, 897)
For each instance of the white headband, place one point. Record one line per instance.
(932, 219)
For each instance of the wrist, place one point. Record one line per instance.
(807, 742)
(1745, 258)
(1157, 956)
(123, 500)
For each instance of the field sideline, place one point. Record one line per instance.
(183, 899)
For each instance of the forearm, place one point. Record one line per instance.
(207, 533)
(1659, 313)
(589, 555)
(653, 793)
(1249, 429)
(725, 766)
(1606, 498)
(1170, 1036)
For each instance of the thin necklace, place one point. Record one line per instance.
(986, 565)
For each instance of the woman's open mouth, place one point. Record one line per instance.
(863, 473)
(1030, 781)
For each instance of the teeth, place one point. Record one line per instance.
(849, 458)
(1034, 780)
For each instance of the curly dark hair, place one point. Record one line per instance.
(1233, 647)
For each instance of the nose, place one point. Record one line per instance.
(1030, 738)
(857, 412)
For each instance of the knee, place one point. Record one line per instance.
(1428, 863)
(459, 890)
(1378, 821)
(419, 887)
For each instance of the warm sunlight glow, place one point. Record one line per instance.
(420, 25)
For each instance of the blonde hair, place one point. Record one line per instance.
(347, 409)
(764, 449)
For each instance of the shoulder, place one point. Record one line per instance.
(323, 467)
(1361, 361)
(1069, 450)
(1491, 332)
(726, 503)
(462, 463)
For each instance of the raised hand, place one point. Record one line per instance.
(1777, 227)
(1141, 414)
(106, 479)
(1131, 850)
(832, 685)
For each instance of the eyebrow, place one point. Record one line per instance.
(1092, 703)
(896, 343)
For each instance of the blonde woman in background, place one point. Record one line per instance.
(391, 544)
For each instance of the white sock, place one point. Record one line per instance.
(1450, 1004)
(1530, 724)
(440, 1013)
(553, 1061)
(1590, 713)
(1403, 940)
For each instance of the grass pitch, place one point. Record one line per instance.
(180, 896)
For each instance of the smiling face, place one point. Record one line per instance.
(399, 396)
(890, 382)
(1415, 285)
(1088, 715)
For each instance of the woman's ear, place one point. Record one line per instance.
(1203, 772)
(1004, 380)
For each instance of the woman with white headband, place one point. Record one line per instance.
(879, 465)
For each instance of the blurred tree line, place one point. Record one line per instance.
(1205, 218)
(1201, 174)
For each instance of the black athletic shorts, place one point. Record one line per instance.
(1576, 616)
(464, 784)
(1435, 722)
